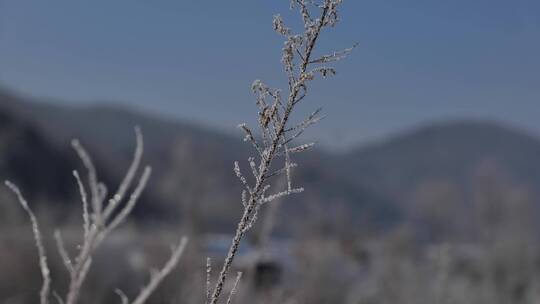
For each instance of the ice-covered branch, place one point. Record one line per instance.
(158, 275)
(274, 115)
(43, 265)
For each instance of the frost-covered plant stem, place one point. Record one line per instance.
(274, 118)
(43, 265)
(100, 218)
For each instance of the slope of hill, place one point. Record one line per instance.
(193, 178)
(456, 152)
(29, 160)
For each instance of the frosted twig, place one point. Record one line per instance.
(97, 225)
(300, 128)
(58, 298)
(249, 137)
(335, 56)
(235, 286)
(122, 215)
(279, 26)
(273, 118)
(281, 194)
(310, 120)
(244, 198)
(128, 178)
(253, 166)
(105, 220)
(300, 148)
(97, 204)
(323, 71)
(208, 283)
(282, 170)
(122, 296)
(84, 199)
(157, 276)
(241, 176)
(288, 168)
(62, 251)
(43, 265)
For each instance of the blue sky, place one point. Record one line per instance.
(417, 61)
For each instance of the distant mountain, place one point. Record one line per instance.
(373, 186)
(456, 152)
(192, 177)
(28, 159)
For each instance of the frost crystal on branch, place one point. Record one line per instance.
(279, 26)
(43, 264)
(301, 67)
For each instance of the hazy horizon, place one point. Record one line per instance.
(456, 60)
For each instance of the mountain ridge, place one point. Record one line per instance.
(193, 164)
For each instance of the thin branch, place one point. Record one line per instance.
(84, 199)
(99, 225)
(282, 170)
(235, 286)
(249, 137)
(97, 204)
(122, 295)
(273, 138)
(288, 168)
(122, 215)
(241, 176)
(208, 277)
(44, 267)
(157, 276)
(62, 251)
(300, 148)
(335, 56)
(58, 298)
(281, 194)
(128, 178)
